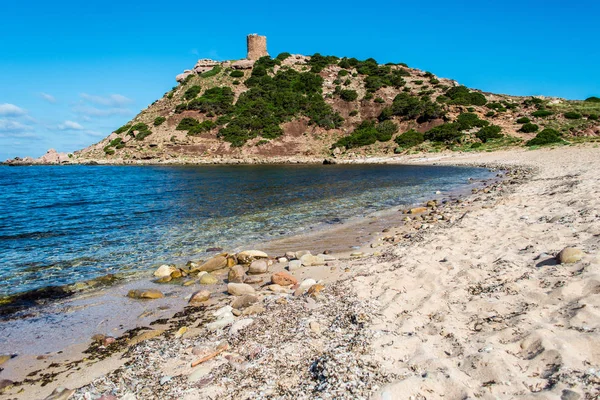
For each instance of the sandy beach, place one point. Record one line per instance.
(463, 299)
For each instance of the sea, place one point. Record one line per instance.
(60, 225)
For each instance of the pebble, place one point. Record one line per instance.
(282, 260)
(308, 260)
(315, 327)
(301, 253)
(239, 325)
(200, 372)
(357, 254)
(283, 279)
(290, 255)
(251, 280)
(277, 288)
(569, 255)
(240, 289)
(254, 309)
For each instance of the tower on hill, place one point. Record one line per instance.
(257, 46)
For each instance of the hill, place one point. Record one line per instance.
(315, 107)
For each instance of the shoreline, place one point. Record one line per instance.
(360, 269)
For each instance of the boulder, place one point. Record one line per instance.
(164, 270)
(205, 65)
(294, 265)
(283, 279)
(236, 274)
(246, 257)
(244, 301)
(308, 260)
(199, 297)
(181, 77)
(242, 64)
(215, 263)
(569, 255)
(145, 294)
(208, 279)
(240, 289)
(259, 266)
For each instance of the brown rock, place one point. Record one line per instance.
(236, 274)
(251, 280)
(254, 309)
(315, 289)
(239, 289)
(569, 255)
(144, 336)
(417, 210)
(260, 266)
(215, 263)
(283, 279)
(145, 294)
(199, 297)
(244, 301)
(247, 256)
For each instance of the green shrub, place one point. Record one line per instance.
(142, 129)
(236, 82)
(467, 121)
(385, 130)
(192, 92)
(109, 151)
(533, 101)
(447, 133)
(496, 106)
(490, 114)
(523, 120)
(368, 133)
(411, 107)
(489, 132)
(471, 109)
(283, 56)
(593, 117)
(368, 96)
(547, 136)
(236, 74)
(476, 145)
(343, 72)
(572, 115)
(203, 126)
(187, 123)
(115, 142)
(353, 113)
(179, 108)
(212, 72)
(542, 113)
(419, 82)
(529, 128)
(410, 138)
(142, 135)
(347, 82)
(461, 95)
(262, 141)
(159, 121)
(319, 62)
(348, 95)
(217, 100)
(434, 81)
(379, 100)
(593, 99)
(122, 129)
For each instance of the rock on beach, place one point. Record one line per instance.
(240, 289)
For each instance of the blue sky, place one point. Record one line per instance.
(73, 71)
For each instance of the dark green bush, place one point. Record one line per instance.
(476, 145)
(434, 81)
(203, 126)
(447, 133)
(343, 72)
(142, 135)
(236, 74)
(115, 142)
(353, 113)
(461, 95)
(593, 99)
(319, 62)
(385, 130)
(547, 136)
(490, 114)
(282, 56)
(419, 82)
(496, 106)
(187, 123)
(467, 121)
(217, 100)
(471, 109)
(523, 120)
(593, 117)
(122, 129)
(192, 92)
(542, 113)
(410, 138)
(529, 128)
(109, 151)
(489, 132)
(159, 121)
(236, 82)
(368, 133)
(411, 107)
(179, 108)
(572, 115)
(533, 101)
(348, 95)
(379, 100)
(212, 72)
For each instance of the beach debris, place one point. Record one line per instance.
(236, 274)
(5, 357)
(145, 294)
(569, 255)
(315, 289)
(283, 279)
(240, 325)
(199, 297)
(220, 348)
(259, 266)
(247, 256)
(60, 393)
(239, 289)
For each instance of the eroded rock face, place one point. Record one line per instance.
(205, 65)
(242, 64)
(181, 77)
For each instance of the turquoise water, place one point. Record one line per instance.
(60, 225)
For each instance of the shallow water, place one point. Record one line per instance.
(60, 225)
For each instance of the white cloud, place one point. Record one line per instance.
(89, 111)
(10, 110)
(48, 97)
(113, 100)
(10, 128)
(70, 126)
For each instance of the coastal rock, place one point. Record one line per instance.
(236, 274)
(308, 260)
(208, 279)
(251, 280)
(164, 270)
(199, 297)
(181, 77)
(53, 157)
(247, 256)
(240, 289)
(290, 255)
(145, 294)
(215, 263)
(244, 301)
(205, 65)
(242, 64)
(294, 265)
(277, 288)
(569, 255)
(417, 210)
(259, 266)
(60, 393)
(164, 279)
(283, 279)
(239, 325)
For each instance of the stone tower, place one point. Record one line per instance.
(257, 46)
